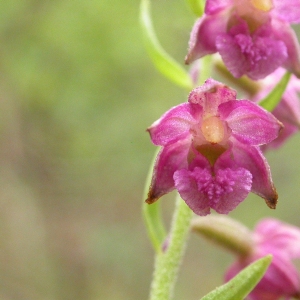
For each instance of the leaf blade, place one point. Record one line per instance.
(163, 62)
(196, 6)
(243, 283)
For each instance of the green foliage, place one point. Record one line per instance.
(273, 98)
(163, 62)
(243, 283)
(196, 6)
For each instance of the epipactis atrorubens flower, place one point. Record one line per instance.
(210, 150)
(253, 37)
(282, 278)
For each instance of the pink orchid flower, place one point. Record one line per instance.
(210, 150)
(253, 37)
(281, 279)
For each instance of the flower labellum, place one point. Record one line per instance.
(253, 37)
(211, 150)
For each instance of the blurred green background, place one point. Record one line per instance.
(77, 91)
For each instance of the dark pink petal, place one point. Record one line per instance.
(222, 191)
(252, 159)
(213, 6)
(170, 159)
(210, 95)
(232, 55)
(282, 31)
(287, 10)
(288, 109)
(174, 124)
(203, 35)
(231, 188)
(284, 135)
(249, 122)
(256, 56)
(275, 236)
(187, 183)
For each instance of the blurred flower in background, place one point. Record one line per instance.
(252, 37)
(288, 109)
(282, 278)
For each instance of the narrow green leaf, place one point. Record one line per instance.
(152, 214)
(243, 283)
(163, 62)
(196, 6)
(273, 98)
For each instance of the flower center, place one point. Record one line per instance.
(213, 130)
(264, 5)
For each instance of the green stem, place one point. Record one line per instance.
(167, 262)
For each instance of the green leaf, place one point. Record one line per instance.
(163, 62)
(197, 7)
(152, 215)
(273, 98)
(243, 283)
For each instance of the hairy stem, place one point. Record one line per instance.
(168, 261)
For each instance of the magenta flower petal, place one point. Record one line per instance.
(213, 6)
(231, 187)
(288, 110)
(252, 159)
(188, 184)
(257, 55)
(204, 34)
(245, 117)
(202, 191)
(282, 31)
(175, 124)
(289, 130)
(170, 159)
(287, 10)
